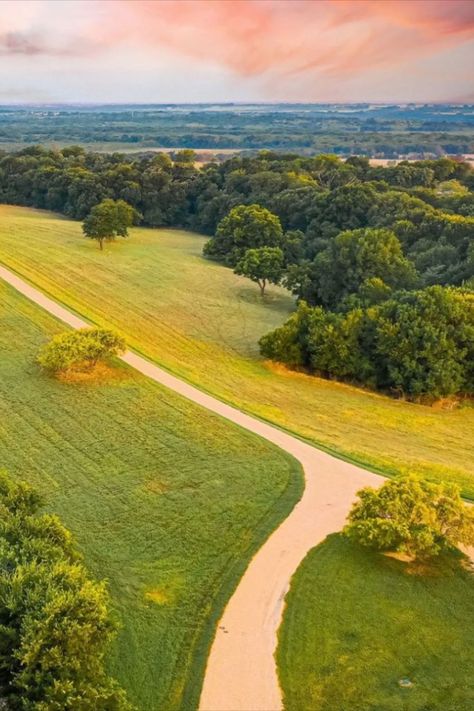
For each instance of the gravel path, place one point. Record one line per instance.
(241, 673)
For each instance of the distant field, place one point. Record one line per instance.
(357, 622)
(344, 129)
(202, 322)
(205, 155)
(167, 501)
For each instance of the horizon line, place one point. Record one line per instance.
(238, 103)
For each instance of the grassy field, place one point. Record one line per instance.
(167, 501)
(202, 322)
(357, 622)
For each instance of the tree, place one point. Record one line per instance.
(355, 256)
(108, 220)
(422, 342)
(187, 155)
(55, 626)
(419, 344)
(245, 227)
(81, 349)
(262, 265)
(412, 516)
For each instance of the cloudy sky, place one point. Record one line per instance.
(236, 50)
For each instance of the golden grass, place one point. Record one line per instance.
(202, 322)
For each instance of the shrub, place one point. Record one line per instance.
(411, 516)
(289, 343)
(81, 349)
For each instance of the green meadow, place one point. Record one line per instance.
(356, 623)
(200, 321)
(166, 501)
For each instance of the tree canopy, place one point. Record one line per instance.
(245, 227)
(318, 195)
(262, 265)
(108, 220)
(412, 516)
(353, 257)
(418, 344)
(55, 627)
(80, 349)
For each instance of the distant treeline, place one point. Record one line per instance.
(388, 131)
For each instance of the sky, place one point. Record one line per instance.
(158, 51)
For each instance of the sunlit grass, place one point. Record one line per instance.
(167, 501)
(202, 322)
(358, 622)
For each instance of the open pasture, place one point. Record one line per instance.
(202, 322)
(166, 501)
(357, 623)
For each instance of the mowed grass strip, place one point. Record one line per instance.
(356, 623)
(202, 322)
(167, 501)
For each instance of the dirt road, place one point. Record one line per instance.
(241, 673)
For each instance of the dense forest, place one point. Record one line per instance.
(380, 259)
(372, 130)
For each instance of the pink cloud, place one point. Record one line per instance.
(336, 37)
(293, 48)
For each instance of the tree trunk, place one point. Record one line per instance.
(262, 284)
(101, 244)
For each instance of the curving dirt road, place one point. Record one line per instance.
(241, 673)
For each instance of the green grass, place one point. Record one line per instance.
(357, 622)
(167, 501)
(202, 322)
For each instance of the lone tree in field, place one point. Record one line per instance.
(262, 265)
(108, 220)
(245, 227)
(411, 516)
(79, 350)
(55, 627)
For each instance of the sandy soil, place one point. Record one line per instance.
(241, 672)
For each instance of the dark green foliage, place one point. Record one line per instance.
(245, 227)
(411, 516)
(385, 131)
(261, 265)
(423, 342)
(54, 623)
(289, 343)
(319, 196)
(79, 349)
(417, 344)
(345, 208)
(108, 220)
(355, 256)
(429, 205)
